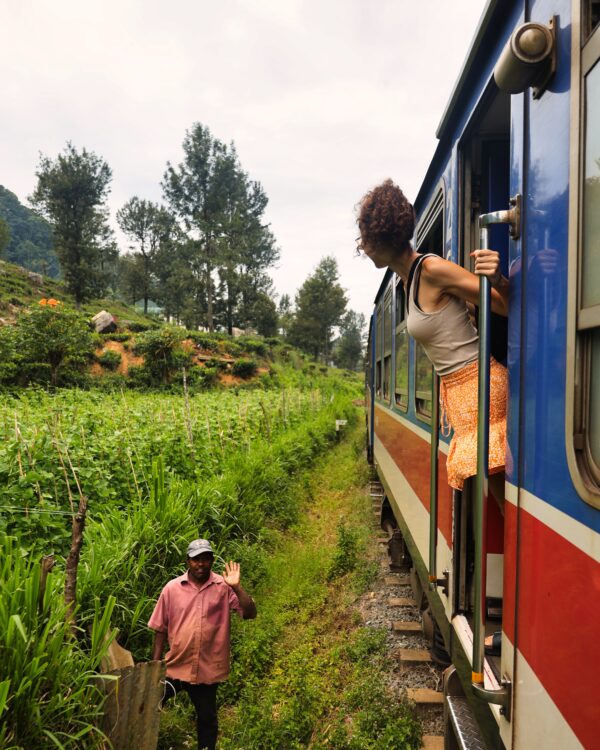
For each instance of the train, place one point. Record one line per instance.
(517, 166)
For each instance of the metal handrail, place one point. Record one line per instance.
(501, 696)
(433, 479)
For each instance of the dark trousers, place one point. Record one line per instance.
(204, 698)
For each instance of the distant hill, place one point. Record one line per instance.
(30, 243)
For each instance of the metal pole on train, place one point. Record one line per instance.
(433, 479)
(481, 478)
(501, 696)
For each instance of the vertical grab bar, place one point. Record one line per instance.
(481, 478)
(501, 696)
(433, 481)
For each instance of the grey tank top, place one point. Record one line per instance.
(447, 335)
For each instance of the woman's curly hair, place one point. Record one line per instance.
(385, 217)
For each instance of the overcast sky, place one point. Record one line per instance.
(323, 98)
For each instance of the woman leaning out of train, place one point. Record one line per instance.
(438, 296)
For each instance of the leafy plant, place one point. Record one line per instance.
(244, 368)
(110, 359)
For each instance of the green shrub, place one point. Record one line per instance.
(244, 368)
(163, 353)
(109, 359)
(346, 556)
(116, 336)
(54, 344)
(9, 360)
(216, 364)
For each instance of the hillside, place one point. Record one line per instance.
(30, 243)
(20, 288)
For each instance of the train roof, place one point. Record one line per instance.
(469, 77)
(470, 74)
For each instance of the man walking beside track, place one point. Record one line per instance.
(193, 615)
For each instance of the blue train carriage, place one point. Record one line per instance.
(519, 143)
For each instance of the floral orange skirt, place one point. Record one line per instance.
(458, 396)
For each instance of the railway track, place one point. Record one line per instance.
(414, 674)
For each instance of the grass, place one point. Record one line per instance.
(306, 674)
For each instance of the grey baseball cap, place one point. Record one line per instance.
(198, 546)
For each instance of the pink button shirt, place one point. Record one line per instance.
(197, 623)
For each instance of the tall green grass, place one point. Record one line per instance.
(50, 695)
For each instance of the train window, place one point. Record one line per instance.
(591, 16)
(589, 311)
(378, 350)
(401, 385)
(387, 345)
(429, 238)
(584, 379)
(423, 382)
(401, 370)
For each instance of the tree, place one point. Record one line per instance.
(349, 347)
(264, 315)
(194, 192)
(52, 343)
(30, 243)
(286, 314)
(4, 236)
(320, 305)
(71, 192)
(148, 226)
(221, 211)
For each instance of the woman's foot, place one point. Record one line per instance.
(493, 644)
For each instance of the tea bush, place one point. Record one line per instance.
(109, 359)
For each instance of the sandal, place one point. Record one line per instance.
(496, 646)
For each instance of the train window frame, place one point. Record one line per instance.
(387, 343)
(378, 351)
(583, 323)
(400, 330)
(432, 219)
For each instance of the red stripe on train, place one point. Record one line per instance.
(411, 455)
(557, 620)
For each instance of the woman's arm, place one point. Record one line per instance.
(450, 278)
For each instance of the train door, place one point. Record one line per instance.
(485, 182)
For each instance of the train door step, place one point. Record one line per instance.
(433, 742)
(407, 627)
(425, 696)
(401, 601)
(397, 581)
(463, 724)
(413, 655)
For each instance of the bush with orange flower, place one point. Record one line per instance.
(53, 344)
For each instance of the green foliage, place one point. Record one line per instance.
(48, 684)
(244, 368)
(348, 351)
(220, 210)
(115, 337)
(320, 304)
(109, 359)
(71, 192)
(9, 367)
(51, 345)
(164, 355)
(305, 675)
(347, 551)
(151, 228)
(4, 235)
(30, 236)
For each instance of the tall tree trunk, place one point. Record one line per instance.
(209, 297)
